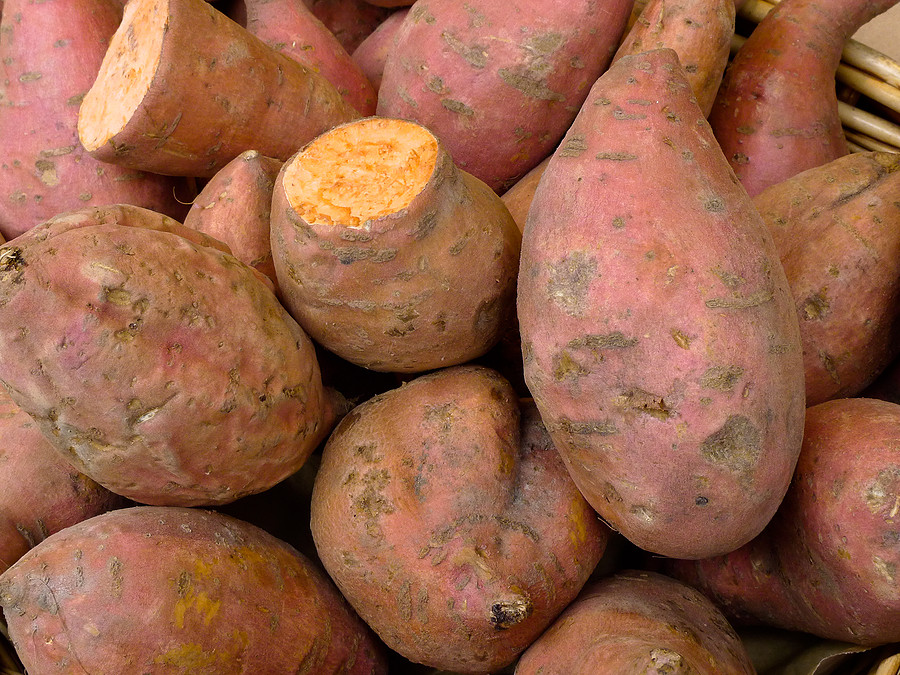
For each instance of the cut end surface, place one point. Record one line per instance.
(360, 171)
(125, 73)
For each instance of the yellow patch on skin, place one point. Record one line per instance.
(578, 531)
(200, 602)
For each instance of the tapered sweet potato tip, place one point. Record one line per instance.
(125, 73)
(360, 171)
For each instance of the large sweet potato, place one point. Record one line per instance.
(389, 255)
(659, 336)
(446, 518)
(175, 590)
(161, 366)
(829, 562)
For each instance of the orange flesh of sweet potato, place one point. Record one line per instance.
(360, 172)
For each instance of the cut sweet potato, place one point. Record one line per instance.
(183, 90)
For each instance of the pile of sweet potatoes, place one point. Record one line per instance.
(349, 336)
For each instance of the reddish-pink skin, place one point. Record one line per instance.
(638, 622)
(235, 207)
(351, 21)
(50, 53)
(445, 516)
(42, 493)
(499, 83)
(429, 286)
(700, 31)
(372, 52)
(218, 91)
(172, 590)
(776, 112)
(290, 27)
(828, 562)
(835, 227)
(164, 369)
(659, 337)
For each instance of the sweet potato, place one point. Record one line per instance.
(183, 90)
(659, 337)
(235, 207)
(835, 228)
(638, 622)
(448, 521)
(42, 493)
(699, 31)
(174, 590)
(776, 113)
(290, 27)
(829, 562)
(350, 21)
(50, 53)
(499, 83)
(162, 367)
(372, 52)
(389, 255)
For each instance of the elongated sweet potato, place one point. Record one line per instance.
(183, 90)
(659, 336)
(499, 83)
(699, 31)
(290, 27)
(235, 207)
(162, 367)
(638, 622)
(175, 590)
(389, 255)
(776, 113)
(829, 562)
(42, 493)
(835, 227)
(50, 53)
(445, 516)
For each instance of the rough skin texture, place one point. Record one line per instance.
(165, 590)
(50, 53)
(828, 562)
(659, 337)
(835, 227)
(776, 112)
(449, 522)
(163, 368)
(638, 622)
(499, 83)
(42, 493)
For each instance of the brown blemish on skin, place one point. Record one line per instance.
(681, 339)
(742, 302)
(601, 428)
(645, 403)
(735, 446)
(457, 107)
(616, 156)
(722, 378)
(531, 86)
(830, 366)
(815, 307)
(508, 613)
(614, 340)
(573, 146)
(569, 281)
(883, 495)
(475, 55)
(567, 368)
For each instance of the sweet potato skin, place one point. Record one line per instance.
(42, 493)
(638, 622)
(175, 590)
(827, 563)
(372, 53)
(835, 230)
(50, 53)
(235, 207)
(429, 286)
(164, 369)
(450, 523)
(659, 338)
(498, 83)
(351, 21)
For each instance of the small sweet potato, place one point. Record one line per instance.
(387, 254)
(183, 90)
(235, 207)
(776, 113)
(444, 514)
(836, 230)
(350, 21)
(499, 83)
(829, 562)
(659, 336)
(162, 367)
(175, 590)
(372, 53)
(42, 493)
